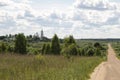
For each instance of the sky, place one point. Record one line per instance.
(80, 18)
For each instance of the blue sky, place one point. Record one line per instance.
(81, 18)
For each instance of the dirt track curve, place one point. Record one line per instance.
(109, 70)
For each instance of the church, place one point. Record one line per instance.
(41, 37)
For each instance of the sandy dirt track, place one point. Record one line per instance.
(109, 70)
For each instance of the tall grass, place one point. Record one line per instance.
(24, 67)
(116, 47)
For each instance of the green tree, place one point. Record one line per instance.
(90, 51)
(47, 49)
(97, 45)
(3, 47)
(97, 52)
(43, 48)
(87, 50)
(20, 44)
(70, 40)
(10, 48)
(55, 45)
(70, 47)
(70, 50)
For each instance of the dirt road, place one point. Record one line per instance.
(109, 70)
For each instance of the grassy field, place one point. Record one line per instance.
(116, 46)
(24, 67)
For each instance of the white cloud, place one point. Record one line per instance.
(83, 20)
(5, 3)
(95, 5)
(114, 18)
(92, 16)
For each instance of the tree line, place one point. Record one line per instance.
(20, 45)
(29, 38)
(66, 47)
(69, 47)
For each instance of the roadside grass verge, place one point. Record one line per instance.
(24, 67)
(116, 47)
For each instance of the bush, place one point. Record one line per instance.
(68, 41)
(97, 45)
(43, 49)
(47, 49)
(70, 50)
(3, 47)
(90, 51)
(87, 51)
(10, 48)
(98, 52)
(33, 51)
(93, 50)
(20, 44)
(36, 52)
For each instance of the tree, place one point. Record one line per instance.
(68, 41)
(71, 40)
(10, 35)
(55, 45)
(90, 51)
(97, 45)
(70, 50)
(70, 47)
(10, 48)
(97, 52)
(3, 47)
(20, 44)
(43, 48)
(87, 50)
(47, 49)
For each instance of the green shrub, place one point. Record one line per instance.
(69, 40)
(47, 49)
(36, 52)
(43, 49)
(3, 47)
(97, 45)
(33, 51)
(10, 48)
(93, 50)
(70, 50)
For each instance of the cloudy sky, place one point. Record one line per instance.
(81, 18)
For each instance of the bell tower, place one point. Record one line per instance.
(42, 34)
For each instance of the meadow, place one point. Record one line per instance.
(76, 59)
(46, 67)
(116, 46)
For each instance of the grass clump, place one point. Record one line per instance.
(40, 58)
